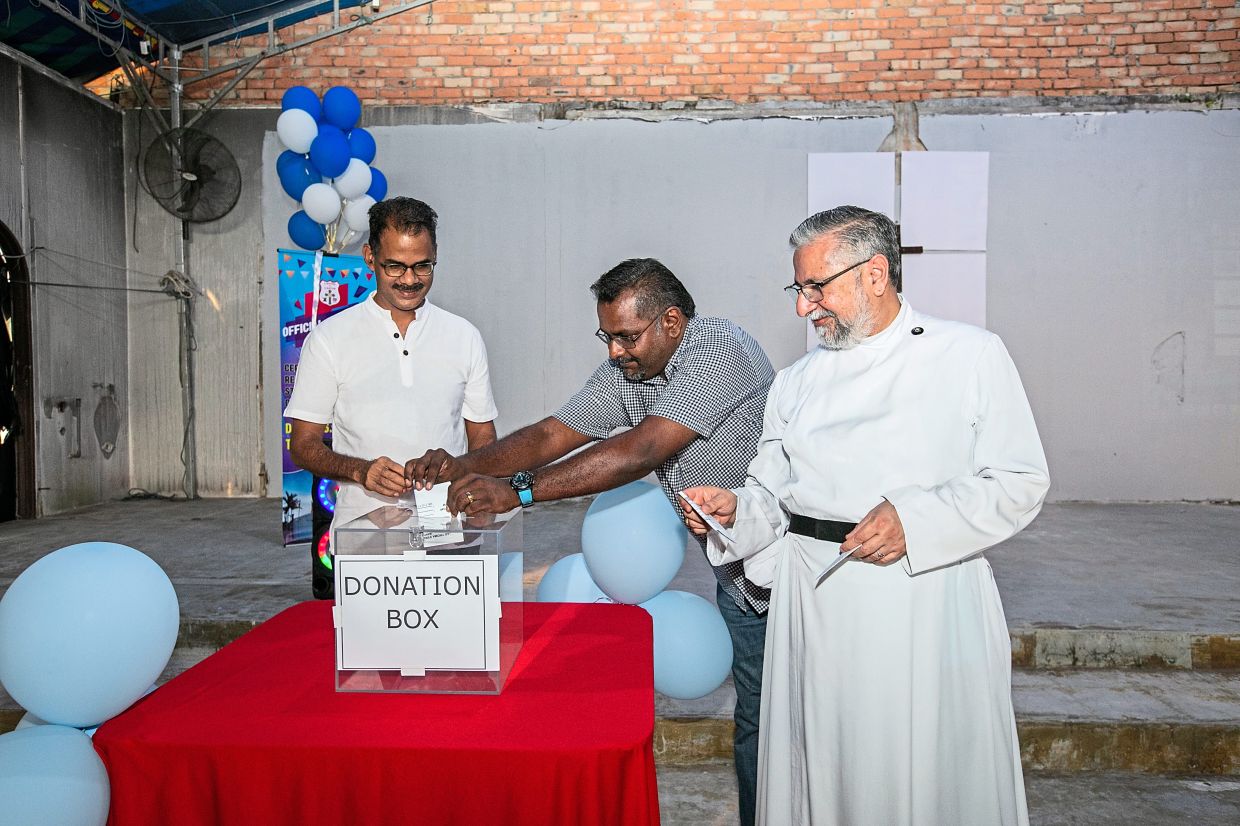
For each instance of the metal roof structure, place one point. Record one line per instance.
(83, 39)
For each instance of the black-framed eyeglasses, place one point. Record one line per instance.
(397, 269)
(812, 290)
(630, 341)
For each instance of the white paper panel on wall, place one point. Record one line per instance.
(943, 200)
(864, 179)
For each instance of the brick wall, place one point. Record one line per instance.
(763, 50)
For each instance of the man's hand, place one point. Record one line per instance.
(878, 538)
(717, 502)
(384, 476)
(434, 466)
(474, 493)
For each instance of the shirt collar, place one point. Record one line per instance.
(374, 309)
(673, 363)
(893, 330)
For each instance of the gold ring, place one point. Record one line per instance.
(470, 497)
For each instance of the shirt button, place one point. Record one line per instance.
(395, 335)
(917, 331)
(406, 352)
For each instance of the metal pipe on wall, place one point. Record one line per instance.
(189, 446)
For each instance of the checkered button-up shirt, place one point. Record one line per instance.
(715, 384)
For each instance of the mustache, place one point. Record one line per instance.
(821, 313)
(413, 288)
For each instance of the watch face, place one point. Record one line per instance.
(522, 480)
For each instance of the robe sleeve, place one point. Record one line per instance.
(760, 519)
(948, 522)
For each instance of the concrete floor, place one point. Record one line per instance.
(1172, 568)
(703, 796)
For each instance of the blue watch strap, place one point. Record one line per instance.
(527, 497)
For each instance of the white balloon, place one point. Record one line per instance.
(297, 130)
(321, 203)
(354, 181)
(357, 213)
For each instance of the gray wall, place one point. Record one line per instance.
(1109, 235)
(226, 262)
(75, 210)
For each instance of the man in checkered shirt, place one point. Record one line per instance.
(692, 391)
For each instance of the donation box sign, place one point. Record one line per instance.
(417, 613)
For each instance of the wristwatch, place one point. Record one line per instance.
(523, 483)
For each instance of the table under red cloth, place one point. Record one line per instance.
(257, 734)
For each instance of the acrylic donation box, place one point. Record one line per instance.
(426, 603)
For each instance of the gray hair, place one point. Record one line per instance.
(859, 231)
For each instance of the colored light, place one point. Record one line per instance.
(326, 494)
(325, 550)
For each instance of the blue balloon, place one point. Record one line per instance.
(296, 175)
(568, 580)
(51, 774)
(84, 631)
(305, 232)
(341, 107)
(634, 543)
(330, 151)
(378, 185)
(287, 157)
(362, 145)
(692, 646)
(301, 97)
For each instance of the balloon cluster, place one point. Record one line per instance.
(84, 632)
(324, 143)
(633, 544)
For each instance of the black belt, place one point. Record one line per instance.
(827, 530)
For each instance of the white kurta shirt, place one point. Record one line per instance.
(391, 395)
(886, 694)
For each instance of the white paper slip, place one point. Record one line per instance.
(711, 522)
(835, 563)
(432, 504)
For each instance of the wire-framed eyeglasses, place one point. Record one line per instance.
(812, 290)
(397, 269)
(628, 342)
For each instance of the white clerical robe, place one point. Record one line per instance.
(886, 692)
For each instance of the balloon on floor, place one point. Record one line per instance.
(84, 631)
(568, 580)
(51, 774)
(692, 646)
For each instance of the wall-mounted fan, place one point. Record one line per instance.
(191, 174)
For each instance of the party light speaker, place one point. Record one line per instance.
(322, 508)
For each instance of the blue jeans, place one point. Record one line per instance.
(748, 630)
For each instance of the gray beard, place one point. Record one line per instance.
(845, 335)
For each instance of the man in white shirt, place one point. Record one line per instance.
(886, 696)
(395, 375)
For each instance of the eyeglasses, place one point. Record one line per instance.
(397, 269)
(812, 290)
(627, 342)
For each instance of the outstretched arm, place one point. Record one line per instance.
(607, 464)
(530, 447)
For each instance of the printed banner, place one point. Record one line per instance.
(313, 286)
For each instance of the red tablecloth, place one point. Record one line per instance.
(257, 734)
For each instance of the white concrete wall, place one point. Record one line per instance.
(1110, 234)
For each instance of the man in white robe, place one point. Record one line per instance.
(886, 698)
